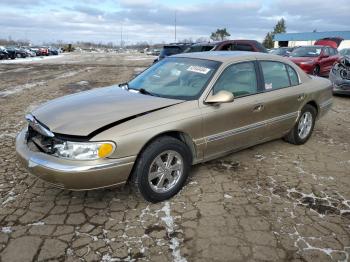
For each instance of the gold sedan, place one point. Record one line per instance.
(183, 110)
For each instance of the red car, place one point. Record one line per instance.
(228, 45)
(317, 59)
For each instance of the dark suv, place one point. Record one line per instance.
(228, 45)
(172, 49)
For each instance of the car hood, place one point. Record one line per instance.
(302, 59)
(83, 113)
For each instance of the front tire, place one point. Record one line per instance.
(302, 130)
(162, 169)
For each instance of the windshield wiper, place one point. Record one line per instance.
(141, 90)
(145, 92)
(124, 86)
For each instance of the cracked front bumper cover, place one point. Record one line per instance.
(72, 174)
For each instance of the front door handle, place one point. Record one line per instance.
(258, 108)
(301, 97)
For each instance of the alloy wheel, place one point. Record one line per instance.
(165, 171)
(305, 125)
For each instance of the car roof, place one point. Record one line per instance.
(225, 56)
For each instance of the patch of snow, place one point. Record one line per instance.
(259, 157)
(9, 199)
(6, 230)
(68, 74)
(227, 196)
(29, 59)
(83, 83)
(139, 58)
(174, 242)
(69, 252)
(39, 223)
(20, 88)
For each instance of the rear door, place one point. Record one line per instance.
(281, 100)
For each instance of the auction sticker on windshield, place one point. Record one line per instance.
(199, 69)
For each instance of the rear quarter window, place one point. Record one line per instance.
(293, 76)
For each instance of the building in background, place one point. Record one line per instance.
(309, 38)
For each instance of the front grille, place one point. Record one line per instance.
(43, 143)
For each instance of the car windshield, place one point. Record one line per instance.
(310, 51)
(199, 48)
(278, 51)
(176, 77)
(170, 50)
(344, 52)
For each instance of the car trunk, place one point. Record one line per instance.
(329, 41)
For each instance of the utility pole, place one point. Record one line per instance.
(121, 35)
(175, 26)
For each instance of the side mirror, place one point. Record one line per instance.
(324, 56)
(221, 97)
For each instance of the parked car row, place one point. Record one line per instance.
(227, 45)
(12, 52)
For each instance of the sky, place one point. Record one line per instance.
(153, 20)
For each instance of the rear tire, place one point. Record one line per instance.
(303, 128)
(162, 169)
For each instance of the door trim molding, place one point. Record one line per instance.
(250, 127)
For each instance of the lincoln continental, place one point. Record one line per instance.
(183, 110)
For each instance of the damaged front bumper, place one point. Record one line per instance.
(340, 77)
(73, 174)
(341, 87)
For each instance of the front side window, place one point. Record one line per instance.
(239, 79)
(175, 77)
(275, 75)
(326, 51)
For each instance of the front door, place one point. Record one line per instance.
(231, 126)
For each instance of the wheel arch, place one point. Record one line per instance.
(180, 135)
(177, 134)
(315, 105)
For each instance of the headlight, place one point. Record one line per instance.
(84, 151)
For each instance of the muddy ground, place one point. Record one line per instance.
(274, 201)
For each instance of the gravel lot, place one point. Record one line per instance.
(274, 201)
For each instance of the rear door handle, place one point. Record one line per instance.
(301, 97)
(258, 108)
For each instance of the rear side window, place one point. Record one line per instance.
(242, 47)
(294, 79)
(239, 79)
(275, 75)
